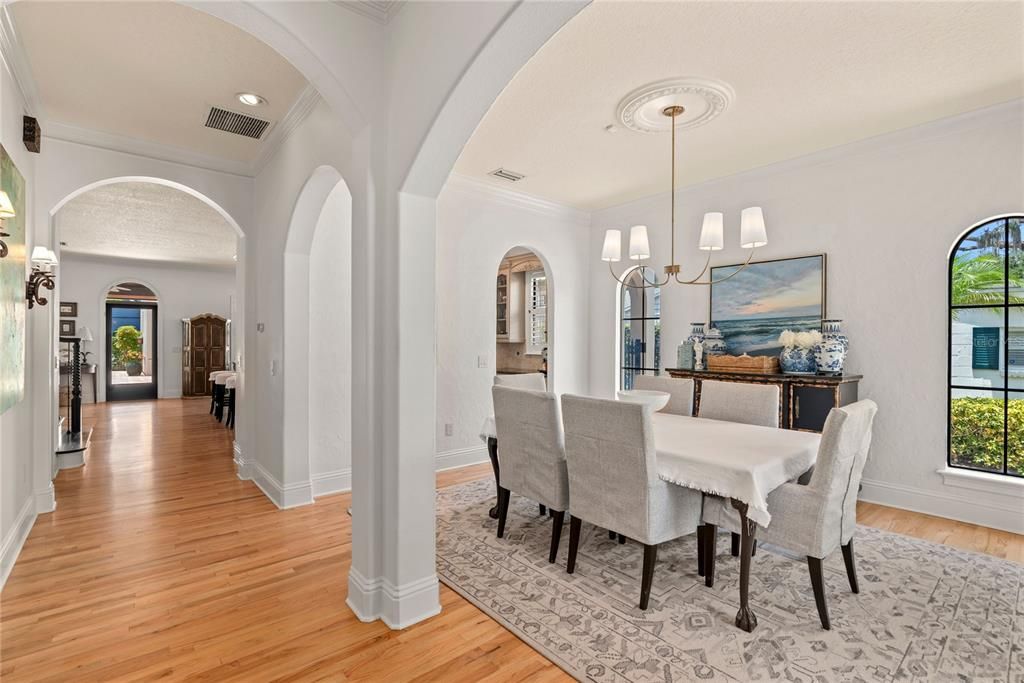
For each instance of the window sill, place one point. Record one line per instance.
(982, 481)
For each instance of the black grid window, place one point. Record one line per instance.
(639, 327)
(986, 349)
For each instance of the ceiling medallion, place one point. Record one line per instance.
(702, 98)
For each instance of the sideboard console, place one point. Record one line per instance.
(806, 399)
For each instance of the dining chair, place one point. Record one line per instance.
(532, 455)
(614, 483)
(752, 404)
(533, 381)
(813, 519)
(681, 391)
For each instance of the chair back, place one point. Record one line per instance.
(609, 447)
(680, 389)
(533, 381)
(843, 451)
(531, 451)
(752, 404)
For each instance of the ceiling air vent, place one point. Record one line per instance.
(506, 174)
(239, 124)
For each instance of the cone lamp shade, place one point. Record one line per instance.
(712, 233)
(639, 246)
(752, 231)
(612, 250)
(6, 208)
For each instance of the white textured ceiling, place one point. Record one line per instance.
(151, 70)
(146, 221)
(807, 76)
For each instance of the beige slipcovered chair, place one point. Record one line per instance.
(534, 381)
(752, 404)
(613, 480)
(532, 454)
(680, 389)
(816, 518)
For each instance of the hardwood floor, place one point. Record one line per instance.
(160, 563)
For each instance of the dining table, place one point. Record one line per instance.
(739, 462)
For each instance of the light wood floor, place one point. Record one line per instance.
(160, 563)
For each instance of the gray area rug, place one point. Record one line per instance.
(926, 612)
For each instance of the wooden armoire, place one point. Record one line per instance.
(204, 349)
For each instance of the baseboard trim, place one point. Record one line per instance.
(983, 511)
(338, 481)
(46, 500)
(399, 607)
(461, 457)
(15, 538)
(284, 497)
(242, 469)
(69, 461)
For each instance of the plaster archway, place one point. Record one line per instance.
(300, 327)
(551, 304)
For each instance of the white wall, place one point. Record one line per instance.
(17, 508)
(184, 292)
(476, 225)
(886, 211)
(330, 347)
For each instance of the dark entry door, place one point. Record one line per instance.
(131, 342)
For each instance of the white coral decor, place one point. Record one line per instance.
(803, 340)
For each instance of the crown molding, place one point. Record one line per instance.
(518, 200)
(55, 130)
(306, 102)
(14, 58)
(73, 256)
(380, 11)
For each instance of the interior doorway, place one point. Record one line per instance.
(131, 342)
(522, 319)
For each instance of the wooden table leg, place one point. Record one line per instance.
(492, 450)
(745, 618)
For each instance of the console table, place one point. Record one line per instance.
(806, 399)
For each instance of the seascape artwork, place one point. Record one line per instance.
(756, 305)
(12, 288)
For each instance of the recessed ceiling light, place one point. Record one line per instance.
(251, 99)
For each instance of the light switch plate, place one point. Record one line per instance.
(449, 429)
(481, 361)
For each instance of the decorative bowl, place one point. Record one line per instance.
(653, 401)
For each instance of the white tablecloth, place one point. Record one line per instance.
(733, 460)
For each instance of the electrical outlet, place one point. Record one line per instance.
(481, 361)
(449, 429)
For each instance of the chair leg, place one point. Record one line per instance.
(622, 539)
(818, 583)
(574, 542)
(503, 498)
(611, 535)
(543, 510)
(735, 545)
(851, 566)
(753, 549)
(650, 557)
(710, 553)
(556, 533)
(700, 550)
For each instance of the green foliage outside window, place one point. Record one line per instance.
(976, 426)
(126, 347)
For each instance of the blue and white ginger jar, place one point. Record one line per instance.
(830, 354)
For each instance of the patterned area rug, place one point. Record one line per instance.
(926, 612)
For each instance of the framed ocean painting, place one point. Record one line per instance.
(754, 306)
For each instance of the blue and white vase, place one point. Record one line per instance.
(714, 342)
(696, 333)
(830, 354)
(798, 359)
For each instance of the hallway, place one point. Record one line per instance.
(160, 563)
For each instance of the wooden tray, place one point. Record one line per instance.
(752, 364)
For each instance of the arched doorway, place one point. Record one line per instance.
(523, 333)
(130, 342)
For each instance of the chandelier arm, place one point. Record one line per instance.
(723, 279)
(647, 283)
(694, 281)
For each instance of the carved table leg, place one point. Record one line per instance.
(745, 618)
(492, 450)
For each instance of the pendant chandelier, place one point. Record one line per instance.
(752, 235)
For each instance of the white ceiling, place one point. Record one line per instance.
(151, 70)
(807, 76)
(146, 221)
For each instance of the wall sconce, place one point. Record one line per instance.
(43, 263)
(6, 211)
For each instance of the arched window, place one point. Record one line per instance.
(639, 327)
(986, 348)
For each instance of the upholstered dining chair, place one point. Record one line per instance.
(533, 381)
(813, 519)
(681, 391)
(614, 483)
(753, 404)
(532, 455)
